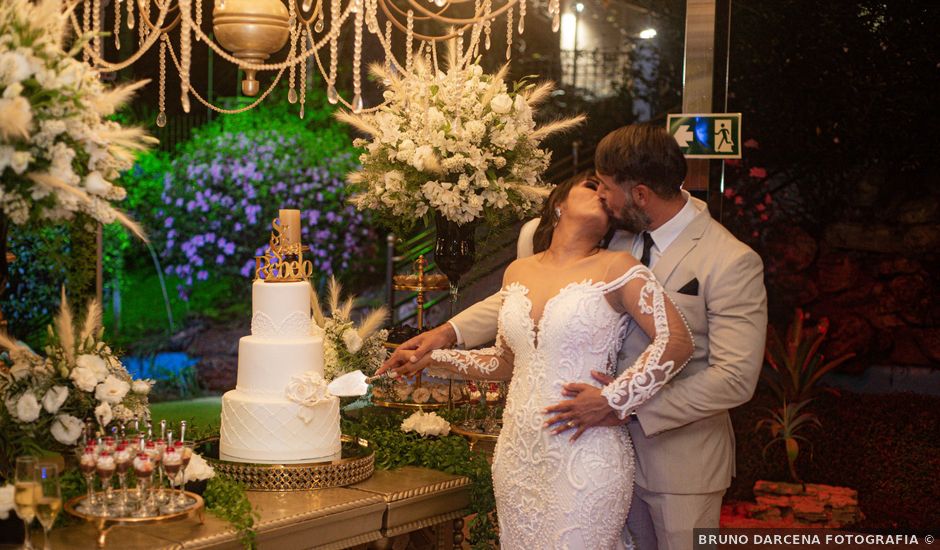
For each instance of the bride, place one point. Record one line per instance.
(564, 313)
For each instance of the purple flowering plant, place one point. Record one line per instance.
(223, 189)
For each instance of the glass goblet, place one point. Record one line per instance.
(122, 462)
(143, 471)
(105, 467)
(87, 462)
(172, 464)
(188, 448)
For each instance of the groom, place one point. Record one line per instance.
(682, 436)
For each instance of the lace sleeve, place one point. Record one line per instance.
(493, 363)
(639, 294)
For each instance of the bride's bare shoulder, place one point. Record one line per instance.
(518, 267)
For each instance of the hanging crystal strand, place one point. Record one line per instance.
(294, 31)
(96, 25)
(303, 72)
(117, 24)
(86, 26)
(130, 14)
(388, 53)
(161, 98)
(198, 17)
(409, 40)
(487, 20)
(142, 28)
(186, 50)
(556, 15)
(318, 26)
(331, 94)
(521, 16)
(357, 59)
(372, 22)
(307, 4)
(508, 33)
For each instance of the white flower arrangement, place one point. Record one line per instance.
(460, 143)
(47, 398)
(346, 347)
(198, 469)
(425, 424)
(59, 154)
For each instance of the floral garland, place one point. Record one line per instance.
(460, 143)
(59, 154)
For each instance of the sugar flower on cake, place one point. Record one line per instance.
(47, 397)
(308, 390)
(459, 143)
(346, 346)
(198, 469)
(60, 151)
(425, 424)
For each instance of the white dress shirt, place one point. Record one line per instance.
(665, 234)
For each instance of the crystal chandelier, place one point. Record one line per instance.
(247, 32)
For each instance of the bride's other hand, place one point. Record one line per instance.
(418, 348)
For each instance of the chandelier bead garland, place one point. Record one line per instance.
(248, 32)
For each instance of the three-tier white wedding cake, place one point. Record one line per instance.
(260, 423)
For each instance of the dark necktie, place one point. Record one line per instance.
(647, 248)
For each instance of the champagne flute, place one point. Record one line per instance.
(24, 496)
(49, 500)
(87, 462)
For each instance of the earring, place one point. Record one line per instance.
(557, 212)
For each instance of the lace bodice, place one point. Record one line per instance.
(550, 492)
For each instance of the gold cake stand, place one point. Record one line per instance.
(356, 463)
(104, 524)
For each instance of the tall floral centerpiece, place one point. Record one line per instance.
(460, 145)
(59, 153)
(46, 400)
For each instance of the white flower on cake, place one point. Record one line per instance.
(425, 424)
(104, 414)
(95, 364)
(6, 500)
(308, 390)
(112, 390)
(460, 142)
(27, 408)
(55, 396)
(198, 469)
(66, 429)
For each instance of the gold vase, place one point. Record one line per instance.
(251, 30)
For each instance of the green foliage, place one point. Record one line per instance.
(796, 366)
(784, 423)
(226, 499)
(395, 448)
(202, 415)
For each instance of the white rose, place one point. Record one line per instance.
(307, 389)
(96, 184)
(197, 470)
(104, 414)
(6, 500)
(112, 390)
(501, 104)
(95, 364)
(141, 387)
(27, 407)
(55, 396)
(66, 429)
(84, 379)
(352, 340)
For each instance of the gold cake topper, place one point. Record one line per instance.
(283, 260)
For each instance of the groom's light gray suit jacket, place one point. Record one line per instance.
(684, 441)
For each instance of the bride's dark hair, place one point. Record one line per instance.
(543, 233)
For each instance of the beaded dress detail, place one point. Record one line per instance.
(551, 492)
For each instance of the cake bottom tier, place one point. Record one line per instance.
(269, 430)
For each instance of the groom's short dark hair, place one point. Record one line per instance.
(642, 153)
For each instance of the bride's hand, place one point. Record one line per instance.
(587, 408)
(410, 365)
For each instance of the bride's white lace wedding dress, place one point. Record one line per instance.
(551, 492)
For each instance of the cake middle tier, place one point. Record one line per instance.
(265, 367)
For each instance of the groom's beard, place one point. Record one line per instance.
(631, 218)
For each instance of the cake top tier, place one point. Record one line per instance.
(280, 310)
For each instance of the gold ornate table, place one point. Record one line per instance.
(370, 514)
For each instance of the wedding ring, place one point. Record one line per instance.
(571, 424)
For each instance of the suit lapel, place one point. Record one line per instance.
(684, 243)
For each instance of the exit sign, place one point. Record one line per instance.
(707, 136)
